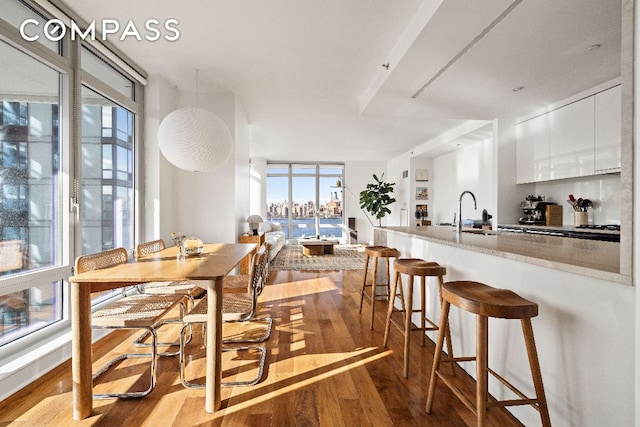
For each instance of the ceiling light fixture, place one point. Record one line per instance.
(195, 139)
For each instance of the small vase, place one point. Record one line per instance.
(580, 218)
(181, 256)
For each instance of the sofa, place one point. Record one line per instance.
(273, 235)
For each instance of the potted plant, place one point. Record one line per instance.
(376, 197)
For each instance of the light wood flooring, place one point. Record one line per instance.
(324, 368)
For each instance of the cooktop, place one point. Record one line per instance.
(612, 227)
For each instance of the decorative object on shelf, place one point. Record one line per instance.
(422, 175)
(422, 193)
(178, 240)
(193, 246)
(422, 211)
(194, 139)
(376, 197)
(254, 223)
(421, 214)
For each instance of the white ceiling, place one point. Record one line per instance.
(309, 73)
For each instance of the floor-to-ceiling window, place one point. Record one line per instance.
(32, 227)
(68, 136)
(108, 149)
(305, 198)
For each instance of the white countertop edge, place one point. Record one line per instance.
(575, 269)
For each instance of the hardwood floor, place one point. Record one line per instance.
(324, 368)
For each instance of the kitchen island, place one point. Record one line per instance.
(592, 258)
(584, 331)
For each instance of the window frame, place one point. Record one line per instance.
(61, 63)
(305, 170)
(67, 63)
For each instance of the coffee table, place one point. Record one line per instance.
(312, 247)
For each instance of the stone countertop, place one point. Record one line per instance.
(593, 258)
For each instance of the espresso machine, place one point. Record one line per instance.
(537, 211)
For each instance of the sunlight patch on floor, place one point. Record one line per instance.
(314, 362)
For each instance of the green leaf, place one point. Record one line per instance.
(376, 197)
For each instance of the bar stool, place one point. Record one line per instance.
(376, 252)
(413, 267)
(485, 301)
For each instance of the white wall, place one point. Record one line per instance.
(509, 194)
(242, 168)
(202, 204)
(356, 177)
(258, 188)
(402, 194)
(471, 168)
(160, 100)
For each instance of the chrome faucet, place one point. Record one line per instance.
(475, 206)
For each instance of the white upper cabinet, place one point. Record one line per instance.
(532, 150)
(571, 135)
(608, 130)
(578, 139)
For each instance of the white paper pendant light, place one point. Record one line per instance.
(194, 139)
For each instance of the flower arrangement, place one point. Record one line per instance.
(178, 238)
(580, 204)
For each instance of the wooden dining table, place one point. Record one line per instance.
(207, 270)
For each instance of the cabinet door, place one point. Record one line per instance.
(571, 140)
(532, 150)
(608, 130)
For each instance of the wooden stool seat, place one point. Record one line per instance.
(488, 301)
(485, 301)
(376, 252)
(419, 267)
(381, 251)
(413, 267)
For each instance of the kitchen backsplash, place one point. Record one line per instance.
(602, 190)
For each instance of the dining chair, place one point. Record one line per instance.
(180, 288)
(236, 307)
(239, 283)
(129, 312)
(243, 306)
